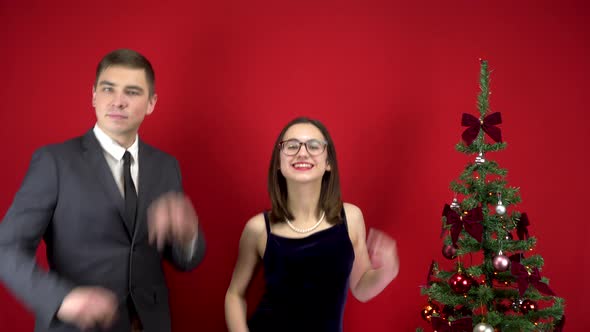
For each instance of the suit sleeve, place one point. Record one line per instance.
(178, 256)
(21, 230)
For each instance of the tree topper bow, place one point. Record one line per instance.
(488, 124)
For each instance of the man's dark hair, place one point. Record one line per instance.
(130, 59)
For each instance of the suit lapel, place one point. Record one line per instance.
(94, 155)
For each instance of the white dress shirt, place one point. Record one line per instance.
(113, 153)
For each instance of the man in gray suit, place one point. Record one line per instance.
(109, 208)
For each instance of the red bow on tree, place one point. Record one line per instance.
(459, 325)
(445, 211)
(521, 228)
(560, 324)
(524, 278)
(516, 257)
(470, 221)
(488, 124)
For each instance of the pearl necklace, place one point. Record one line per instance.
(306, 230)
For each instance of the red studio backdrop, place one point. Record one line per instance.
(389, 79)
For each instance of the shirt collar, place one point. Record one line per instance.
(112, 147)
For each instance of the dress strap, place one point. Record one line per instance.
(267, 222)
(343, 216)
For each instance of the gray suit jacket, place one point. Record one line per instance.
(70, 199)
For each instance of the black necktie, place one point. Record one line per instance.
(129, 189)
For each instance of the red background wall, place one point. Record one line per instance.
(389, 79)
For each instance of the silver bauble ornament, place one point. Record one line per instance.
(500, 209)
(483, 327)
(500, 262)
(480, 159)
(455, 204)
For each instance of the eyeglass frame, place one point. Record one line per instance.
(280, 146)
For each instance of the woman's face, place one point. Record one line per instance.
(303, 155)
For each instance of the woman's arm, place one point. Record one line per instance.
(376, 262)
(248, 258)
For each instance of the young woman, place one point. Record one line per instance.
(311, 244)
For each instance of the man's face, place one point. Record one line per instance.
(121, 101)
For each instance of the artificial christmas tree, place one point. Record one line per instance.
(494, 283)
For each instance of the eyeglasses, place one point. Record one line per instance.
(291, 147)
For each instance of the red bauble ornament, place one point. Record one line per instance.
(449, 251)
(460, 283)
(428, 310)
(528, 305)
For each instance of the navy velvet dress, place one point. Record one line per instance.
(306, 281)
